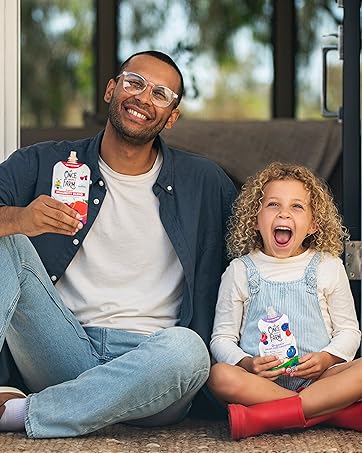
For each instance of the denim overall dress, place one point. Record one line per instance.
(298, 299)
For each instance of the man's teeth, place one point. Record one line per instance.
(139, 115)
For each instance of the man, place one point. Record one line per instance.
(121, 336)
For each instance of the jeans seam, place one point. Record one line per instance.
(31, 270)
(28, 428)
(104, 334)
(8, 313)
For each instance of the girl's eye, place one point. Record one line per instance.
(272, 203)
(298, 206)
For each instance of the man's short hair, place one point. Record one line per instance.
(166, 59)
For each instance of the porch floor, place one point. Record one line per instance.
(190, 436)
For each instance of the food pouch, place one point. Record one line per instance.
(70, 184)
(277, 339)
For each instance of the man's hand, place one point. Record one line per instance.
(45, 215)
(262, 366)
(314, 364)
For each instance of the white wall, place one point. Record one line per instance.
(9, 76)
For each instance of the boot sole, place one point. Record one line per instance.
(236, 422)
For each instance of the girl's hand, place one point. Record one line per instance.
(313, 365)
(261, 366)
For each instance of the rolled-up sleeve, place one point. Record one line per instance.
(17, 178)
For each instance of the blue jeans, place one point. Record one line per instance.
(88, 378)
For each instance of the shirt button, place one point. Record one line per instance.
(169, 188)
(90, 182)
(96, 201)
(75, 241)
(101, 183)
(53, 278)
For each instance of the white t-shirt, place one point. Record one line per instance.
(334, 295)
(126, 274)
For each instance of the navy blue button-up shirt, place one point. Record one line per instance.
(195, 197)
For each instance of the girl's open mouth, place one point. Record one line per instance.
(282, 235)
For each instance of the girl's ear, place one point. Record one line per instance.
(313, 228)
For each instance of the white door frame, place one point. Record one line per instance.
(9, 76)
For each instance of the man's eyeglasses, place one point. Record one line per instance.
(134, 84)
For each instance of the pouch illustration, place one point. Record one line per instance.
(277, 339)
(70, 184)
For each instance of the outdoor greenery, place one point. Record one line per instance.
(218, 22)
(58, 56)
(57, 59)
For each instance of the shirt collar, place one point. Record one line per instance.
(166, 177)
(94, 150)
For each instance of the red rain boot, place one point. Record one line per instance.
(265, 417)
(349, 418)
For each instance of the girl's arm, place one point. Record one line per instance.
(233, 292)
(345, 332)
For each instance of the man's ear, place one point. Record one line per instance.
(172, 118)
(111, 85)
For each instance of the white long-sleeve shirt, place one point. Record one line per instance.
(334, 295)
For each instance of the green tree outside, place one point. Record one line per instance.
(57, 63)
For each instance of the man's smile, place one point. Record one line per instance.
(137, 114)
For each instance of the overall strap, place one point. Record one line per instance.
(253, 274)
(310, 274)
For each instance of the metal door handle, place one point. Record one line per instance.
(325, 49)
(324, 100)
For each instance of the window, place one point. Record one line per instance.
(57, 58)
(316, 20)
(223, 49)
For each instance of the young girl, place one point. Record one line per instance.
(286, 235)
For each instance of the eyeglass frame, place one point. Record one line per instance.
(147, 82)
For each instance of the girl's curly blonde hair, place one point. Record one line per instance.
(242, 237)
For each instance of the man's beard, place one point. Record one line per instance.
(129, 135)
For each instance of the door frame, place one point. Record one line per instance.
(351, 137)
(9, 77)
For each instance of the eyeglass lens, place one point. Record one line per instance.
(135, 84)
